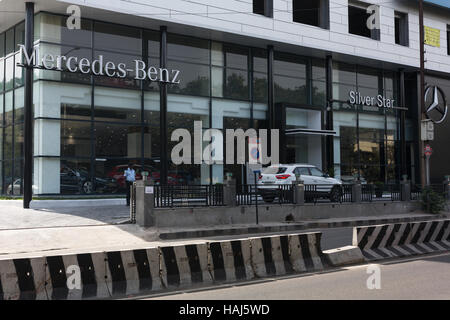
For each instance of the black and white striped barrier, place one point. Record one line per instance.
(306, 252)
(132, 272)
(270, 256)
(231, 260)
(279, 255)
(402, 239)
(81, 276)
(185, 265)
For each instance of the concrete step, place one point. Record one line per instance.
(286, 227)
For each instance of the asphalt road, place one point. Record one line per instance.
(425, 277)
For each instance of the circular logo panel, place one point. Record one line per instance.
(435, 104)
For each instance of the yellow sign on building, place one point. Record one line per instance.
(432, 37)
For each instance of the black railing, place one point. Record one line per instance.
(367, 192)
(245, 194)
(188, 196)
(311, 194)
(251, 194)
(395, 191)
(248, 194)
(416, 192)
(347, 193)
(315, 193)
(133, 203)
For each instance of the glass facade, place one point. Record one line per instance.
(87, 128)
(367, 140)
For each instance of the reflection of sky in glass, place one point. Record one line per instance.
(443, 3)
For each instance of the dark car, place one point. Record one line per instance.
(79, 181)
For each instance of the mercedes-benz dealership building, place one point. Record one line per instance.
(111, 90)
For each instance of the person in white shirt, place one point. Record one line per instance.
(130, 177)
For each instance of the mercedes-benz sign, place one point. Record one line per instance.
(436, 109)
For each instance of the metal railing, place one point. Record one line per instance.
(395, 191)
(347, 193)
(188, 196)
(416, 192)
(250, 194)
(133, 203)
(275, 193)
(315, 193)
(367, 192)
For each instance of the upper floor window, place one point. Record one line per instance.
(362, 21)
(263, 7)
(448, 40)
(312, 12)
(401, 29)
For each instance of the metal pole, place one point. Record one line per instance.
(427, 165)
(404, 171)
(163, 109)
(329, 157)
(422, 85)
(28, 110)
(270, 87)
(256, 199)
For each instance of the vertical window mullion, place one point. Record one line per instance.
(145, 57)
(92, 133)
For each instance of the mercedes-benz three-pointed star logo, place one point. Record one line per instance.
(437, 106)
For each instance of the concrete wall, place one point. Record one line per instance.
(195, 217)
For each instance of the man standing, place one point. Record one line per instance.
(130, 177)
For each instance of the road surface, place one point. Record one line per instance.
(425, 277)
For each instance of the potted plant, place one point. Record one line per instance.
(432, 201)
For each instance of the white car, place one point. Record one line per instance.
(317, 184)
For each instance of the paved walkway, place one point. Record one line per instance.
(60, 214)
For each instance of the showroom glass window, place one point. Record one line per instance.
(367, 142)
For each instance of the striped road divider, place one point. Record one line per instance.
(270, 256)
(231, 260)
(306, 252)
(131, 272)
(402, 239)
(185, 265)
(280, 255)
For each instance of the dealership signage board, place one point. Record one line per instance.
(427, 130)
(379, 101)
(432, 37)
(98, 67)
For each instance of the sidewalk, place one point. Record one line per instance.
(38, 232)
(62, 213)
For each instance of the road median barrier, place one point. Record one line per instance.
(127, 273)
(185, 265)
(344, 256)
(270, 256)
(230, 260)
(306, 252)
(402, 239)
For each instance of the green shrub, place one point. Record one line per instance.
(432, 201)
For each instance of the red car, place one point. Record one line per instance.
(117, 173)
